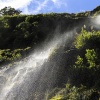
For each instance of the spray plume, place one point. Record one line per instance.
(95, 22)
(25, 77)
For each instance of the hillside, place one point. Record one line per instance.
(22, 31)
(79, 57)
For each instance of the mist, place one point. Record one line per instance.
(31, 77)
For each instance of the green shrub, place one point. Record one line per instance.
(91, 57)
(79, 62)
(12, 55)
(87, 39)
(76, 93)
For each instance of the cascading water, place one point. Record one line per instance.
(31, 78)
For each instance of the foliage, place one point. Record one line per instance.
(11, 55)
(87, 38)
(91, 57)
(75, 93)
(79, 62)
(84, 75)
(20, 31)
(82, 14)
(96, 11)
(9, 11)
(86, 69)
(24, 28)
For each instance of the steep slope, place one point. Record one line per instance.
(77, 60)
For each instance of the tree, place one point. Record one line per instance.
(9, 11)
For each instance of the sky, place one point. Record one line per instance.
(48, 6)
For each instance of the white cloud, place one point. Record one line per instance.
(24, 5)
(15, 3)
(41, 5)
(33, 6)
(59, 3)
(81, 10)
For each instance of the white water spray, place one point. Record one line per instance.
(23, 81)
(96, 22)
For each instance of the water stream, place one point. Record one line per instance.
(31, 78)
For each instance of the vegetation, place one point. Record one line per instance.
(20, 33)
(75, 93)
(9, 11)
(87, 39)
(8, 55)
(84, 74)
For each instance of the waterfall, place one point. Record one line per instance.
(32, 77)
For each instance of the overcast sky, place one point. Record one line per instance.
(47, 6)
